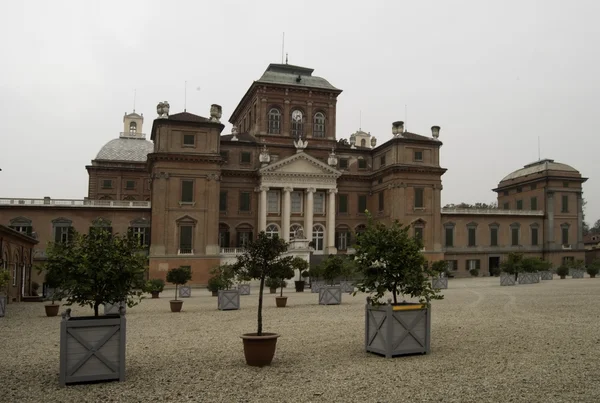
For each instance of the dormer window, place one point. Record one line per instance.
(132, 128)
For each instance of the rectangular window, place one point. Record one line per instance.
(452, 265)
(419, 198)
(519, 204)
(185, 239)
(343, 163)
(362, 203)
(225, 155)
(342, 240)
(493, 236)
(224, 239)
(565, 204)
(534, 236)
(296, 199)
(189, 140)
(23, 229)
(362, 163)
(223, 201)
(381, 200)
(187, 191)
(107, 184)
(519, 189)
(418, 155)
(514, 234)
(272, 201)
(319, 203)
(130, 185)
(63, 234)
(533, 203)
(472, 236)
(565, 235)
(246, 157)
(449, 237)
(142, 234)
(566, 260)
(343, 204)
(473, 264)
(419, 233)
(506, 206)
(245, 201)
(382, 161)
(533, 186)
(243, 238)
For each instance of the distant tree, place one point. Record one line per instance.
(595, 228)
(492, 205)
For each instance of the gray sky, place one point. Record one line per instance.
(493, 75)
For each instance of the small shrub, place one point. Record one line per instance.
(562, 270)
(474, 272)
(4, 279)
(593, 270)
(179, 276)
(155, 285)
(273, 282)
(495, 271)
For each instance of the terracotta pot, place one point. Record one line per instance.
(52, 309)
(155, 294)
(299, 286)
(281, 301)
(176, 305)
(259, 350)
(215, 293)
(562, 277)
(592, 276)
(272, 290)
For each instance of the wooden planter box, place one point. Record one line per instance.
(526, 278)
(185, 291)
(244, 289)
(507, 279)
(315, 286)
(347, 286)
(228, 300)
(92, 349)
(546, 275)
(536, 277)
(2, 305)
(330, 295)
(439, 282)
(113, 309)
(577, 273)
(397, 330)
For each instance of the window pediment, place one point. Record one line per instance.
(62, 221)
(140, 222)
(186, 219)
(21, 221)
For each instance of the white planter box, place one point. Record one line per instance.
(526, 278)
(330, 295)
(315, 286)
(577, 273)
(347, 286)
(546, 275)
(228, 300)
(113, 309)
(507, 279)
(244, 289)
(2, 305)
(439, 282)
(185, 291)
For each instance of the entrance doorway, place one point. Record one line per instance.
(493, 263)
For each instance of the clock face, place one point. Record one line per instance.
(297, 116)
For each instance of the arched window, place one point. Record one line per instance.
(272, 230)
(297, 123)
(274, 121)
(129, 198)
(319, 125)
(132, 128)
(296, 231)
(363, 143)
(223, 235)
(318, 236)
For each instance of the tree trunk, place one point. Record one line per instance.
(260, 298)
(175, 292)
(96, 304)
(394, 295)
(281, 293)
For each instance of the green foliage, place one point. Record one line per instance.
(305, 273)
(274, 282)
(531, 264)
(348, 267)
(332, 268)
(512, 264)
(439, 267)
(155, 285)
(562, 270)
(299, 264)
(259, 261)
(389, 259)
(578, 264)
(179, 276)
(594, 268)
(495, 271)
(96, 270)
(222, 278)
(316, 272)
(474, 272)
(4, 279)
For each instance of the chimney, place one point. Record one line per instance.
(435, 131)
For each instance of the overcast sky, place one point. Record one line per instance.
(494, 75)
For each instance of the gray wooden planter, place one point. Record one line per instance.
(536, 277)
(315, 286)
(92, 349)
(2, 305)
(439, 282)
(228, 300)
(397, 330)
(507, 279)
(330, 295)
(244, 289)
(113, 309)
(185, 291)
(347, 286)
(577, 273)
(546, 275)
(526, 278)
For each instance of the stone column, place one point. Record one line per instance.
(308, 213)
(331, 223)
(580, 244)
(285, 214)
(436, 209)
(262, 205)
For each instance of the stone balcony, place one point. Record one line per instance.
(48, 202)
(492, 211)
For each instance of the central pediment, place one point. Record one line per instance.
(300, 164)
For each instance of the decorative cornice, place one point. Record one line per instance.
(216, 159)
(327, 171)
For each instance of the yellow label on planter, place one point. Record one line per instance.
(408, 307)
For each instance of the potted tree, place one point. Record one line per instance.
(578, 269)
(348, 272)
(316, 273)
(155, 286)
(593, 269)
(243, 284)
(272, 284)
(4, 280)
(528, 273)
(440, 278)
(228, 298)
(510, 269)
(93, 270)
(284, 270)
(178, 276)
(215, 281)
(545, 270)
(259, 262)
(562, 271)
(389, 259)
(332, 269)
(301, 265)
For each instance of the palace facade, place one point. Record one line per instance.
(195, 196)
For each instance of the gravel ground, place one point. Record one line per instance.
(529, 343)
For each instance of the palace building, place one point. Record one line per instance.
(195, 196)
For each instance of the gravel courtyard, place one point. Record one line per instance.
(528, 343)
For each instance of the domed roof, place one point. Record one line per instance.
(126, 149)
(538, 167)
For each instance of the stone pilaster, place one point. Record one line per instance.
(286, 213)
(331, 222)
(308, 213)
